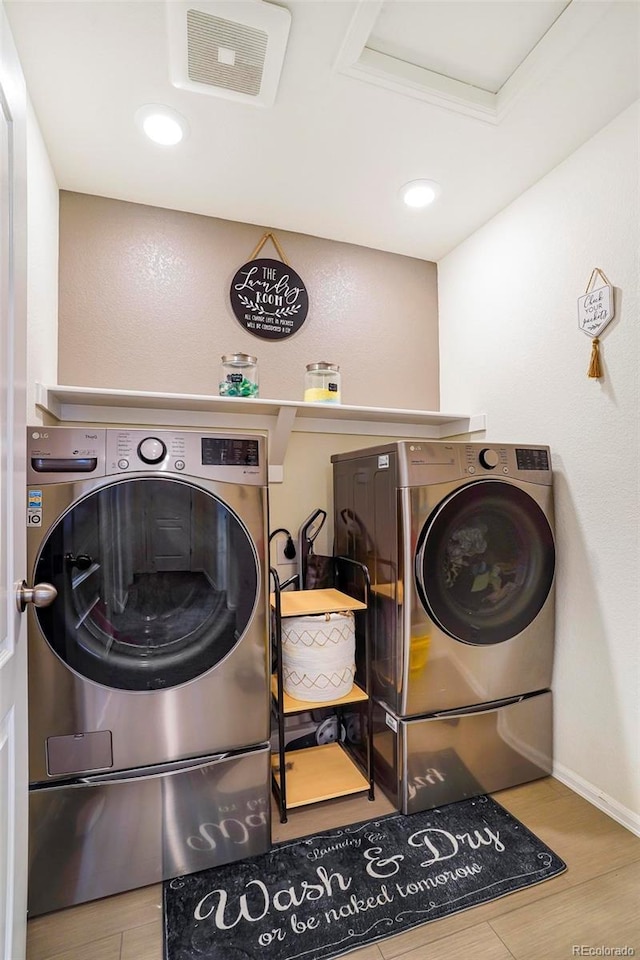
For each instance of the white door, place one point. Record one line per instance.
(13, 634)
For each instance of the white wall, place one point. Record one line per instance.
(511, 347)
(42, 267)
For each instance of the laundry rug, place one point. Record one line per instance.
(326, 894)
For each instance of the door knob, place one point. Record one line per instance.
(42, 595)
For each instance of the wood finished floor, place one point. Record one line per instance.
(594, 904)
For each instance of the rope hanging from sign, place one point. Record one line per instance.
(595, 310)
(269, 236)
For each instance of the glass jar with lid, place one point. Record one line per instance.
(322, 383)
(239, 375)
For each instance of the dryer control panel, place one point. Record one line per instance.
(419, 463)
(530, 463)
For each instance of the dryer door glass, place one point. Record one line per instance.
(485, 562)
(157, 581)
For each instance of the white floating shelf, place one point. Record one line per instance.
(276, 417)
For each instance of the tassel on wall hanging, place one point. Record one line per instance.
(268, 297)
(595, 310)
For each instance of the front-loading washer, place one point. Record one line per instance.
(149, 670)
(459, 541)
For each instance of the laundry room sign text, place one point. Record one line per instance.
(268, 297)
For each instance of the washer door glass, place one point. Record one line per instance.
(485, 562)
(157, 581)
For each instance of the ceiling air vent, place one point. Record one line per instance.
(228, 49)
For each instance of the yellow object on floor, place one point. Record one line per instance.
(419, 653)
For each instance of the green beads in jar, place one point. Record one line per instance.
(239, 376)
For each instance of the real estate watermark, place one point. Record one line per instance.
(583, 950)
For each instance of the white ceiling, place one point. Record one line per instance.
(483, 97)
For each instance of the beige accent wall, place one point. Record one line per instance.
(144, 304)
(308, 484)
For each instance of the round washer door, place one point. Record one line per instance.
(157, 581)
(485, 562)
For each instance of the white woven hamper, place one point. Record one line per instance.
(318, 656)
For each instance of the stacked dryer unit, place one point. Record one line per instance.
(458, 538)
(148, 669)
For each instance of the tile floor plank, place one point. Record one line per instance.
(583, 836)
(333, 813)
(478, 942)
(77, 926)
(366, 953)
(601, 913)
(526, 798)
(143, 943)
(107, 949)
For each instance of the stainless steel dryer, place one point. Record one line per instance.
(148, 665)
(459, 542)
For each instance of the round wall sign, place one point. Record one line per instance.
(269, 299)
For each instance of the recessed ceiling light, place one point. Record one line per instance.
(420, 193)
(162, 124)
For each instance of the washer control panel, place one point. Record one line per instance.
(234, 458)
(57, 454)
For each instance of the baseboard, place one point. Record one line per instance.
(622, 815)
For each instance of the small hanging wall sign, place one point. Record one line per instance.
(267, 297)
(595, 311)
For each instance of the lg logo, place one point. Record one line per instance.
(39, 436)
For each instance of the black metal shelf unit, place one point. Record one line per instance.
(325, 771)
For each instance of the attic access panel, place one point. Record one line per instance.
(421, 51)
(228, 49)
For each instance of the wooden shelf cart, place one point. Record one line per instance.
(325, 771)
